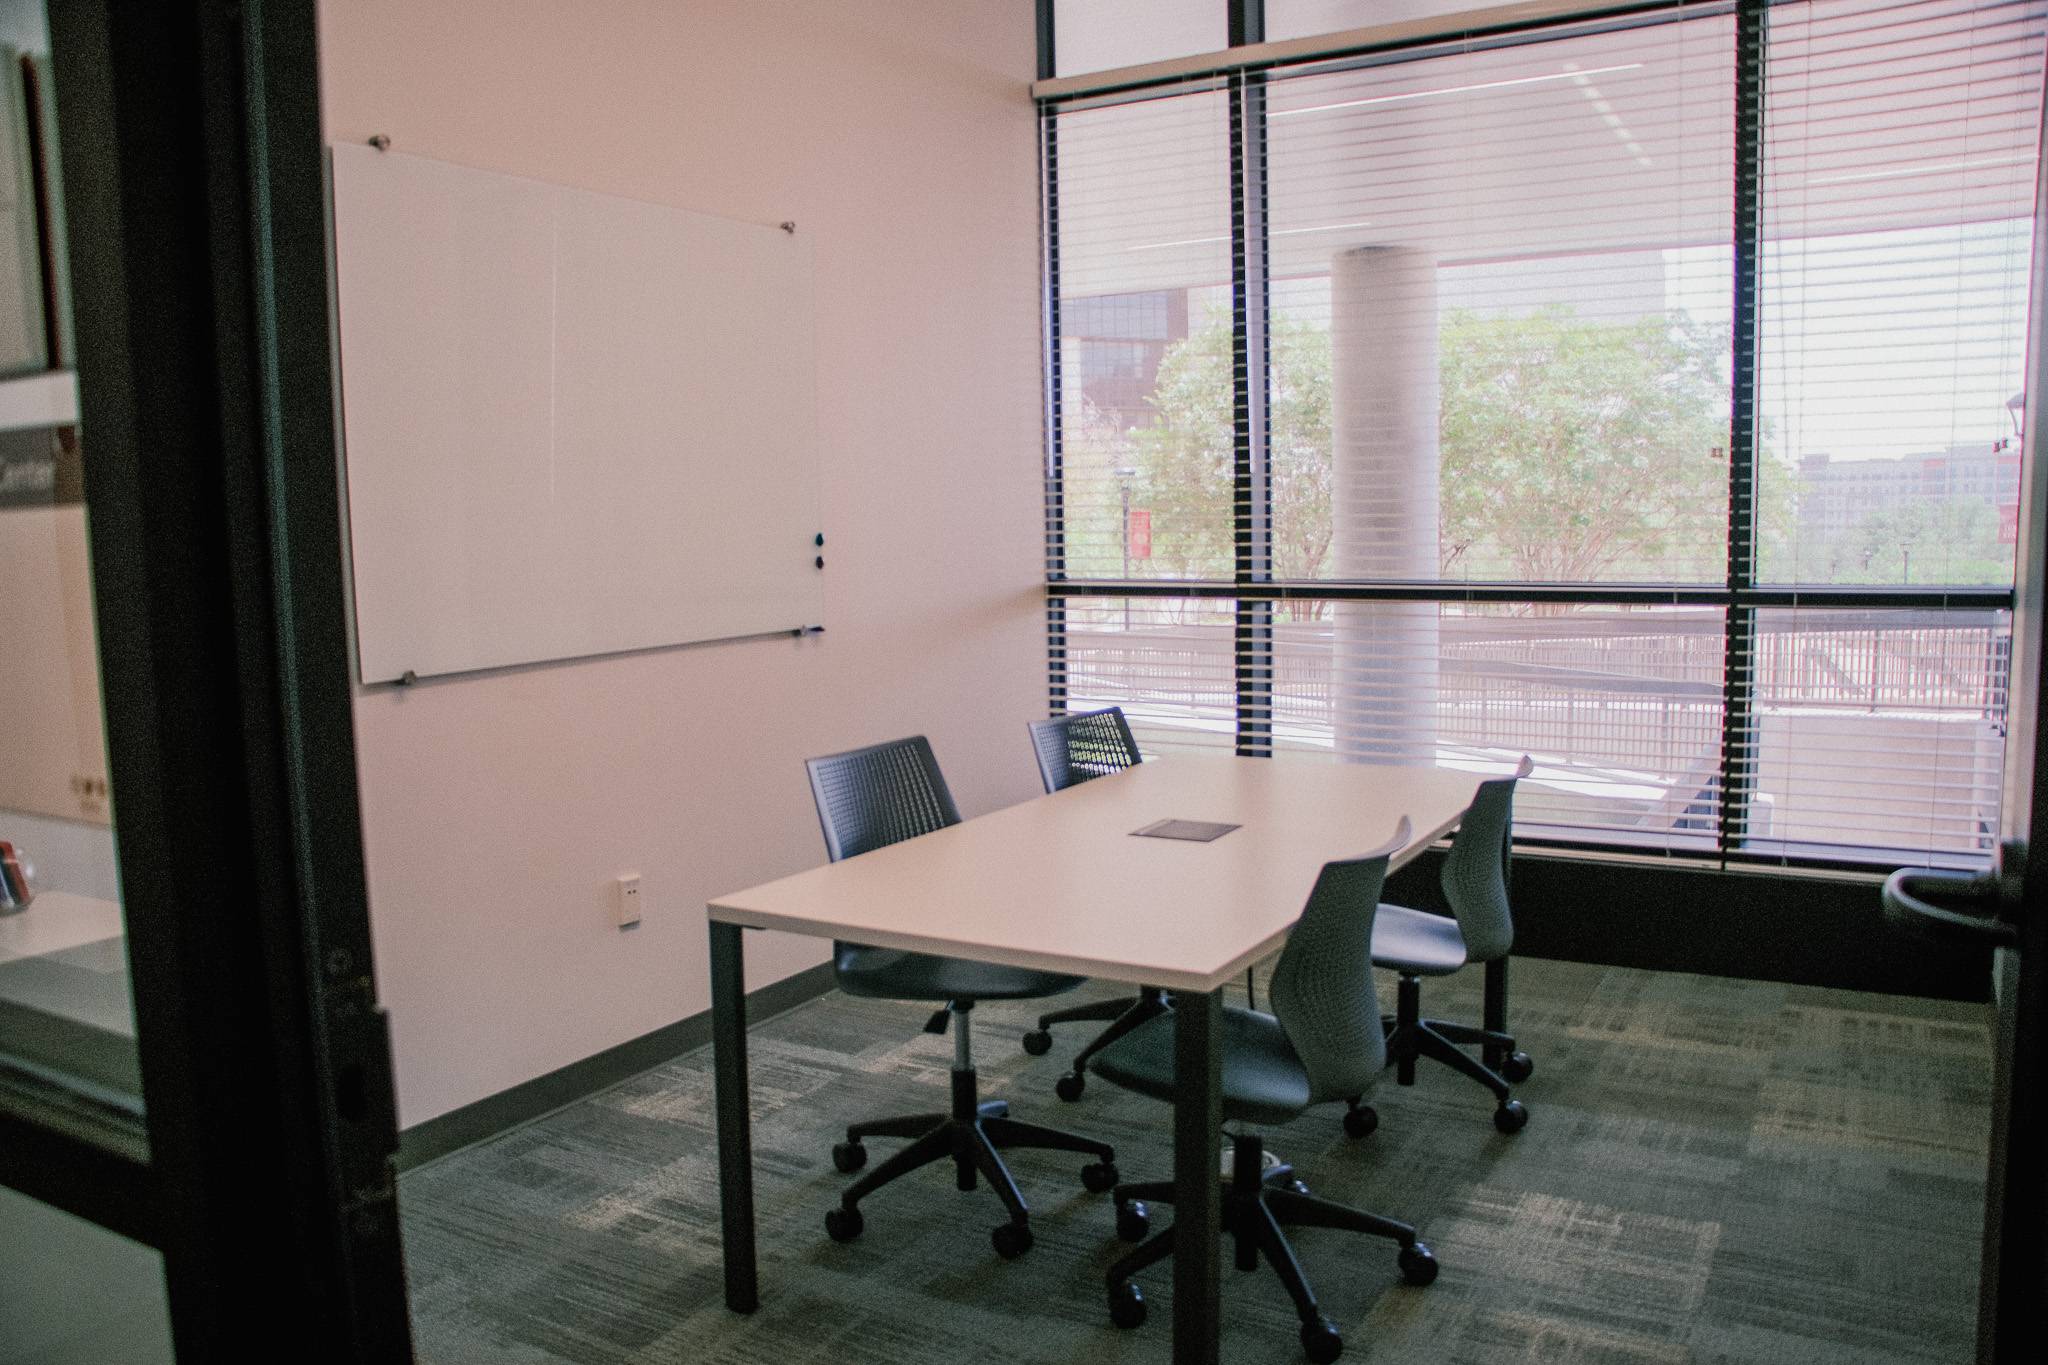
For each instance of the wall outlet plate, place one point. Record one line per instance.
(626, 899)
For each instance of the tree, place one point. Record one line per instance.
(1923, 540)
(1187, 458)
(1095, 447)
(1576, 450)
(1572, 450)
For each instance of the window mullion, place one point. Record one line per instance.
(1049, 325)
(1738, 675)
(1251, 363)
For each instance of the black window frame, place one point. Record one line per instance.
(1256, 592)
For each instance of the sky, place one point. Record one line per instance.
(1877, 345)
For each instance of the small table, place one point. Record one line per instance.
(1060, 884)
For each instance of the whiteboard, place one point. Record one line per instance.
(573, 424)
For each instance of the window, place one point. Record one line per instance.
(1505, 394)
(1097, 35)
(1310, 18)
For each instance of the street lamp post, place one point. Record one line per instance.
(1124, 474)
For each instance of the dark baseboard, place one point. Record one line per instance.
(1762, 925)
(495, 1114)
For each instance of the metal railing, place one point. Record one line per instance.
(1614, 693)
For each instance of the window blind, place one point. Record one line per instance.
(1141, 196)
(1897, 196)
(1897, 190)
(1635, 394)
(1507, 268)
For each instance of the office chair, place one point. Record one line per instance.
(1415, 944)
(880, 795)
(1324, 1041)
(1071, 750)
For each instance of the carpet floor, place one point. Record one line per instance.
(1714, 1171)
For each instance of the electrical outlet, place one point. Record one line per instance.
(626, 899)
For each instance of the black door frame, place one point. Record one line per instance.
(195, 204)
(2015, 1248)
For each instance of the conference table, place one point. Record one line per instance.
(1060, 883)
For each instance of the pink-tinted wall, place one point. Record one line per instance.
(498, 808)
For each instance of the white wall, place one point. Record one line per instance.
(498, 808)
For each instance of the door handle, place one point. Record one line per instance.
(1911, 892)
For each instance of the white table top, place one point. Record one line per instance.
(55, 921)
(1059, 883)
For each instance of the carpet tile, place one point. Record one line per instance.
(1716, 1171)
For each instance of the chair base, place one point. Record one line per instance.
(973, 1135)
(1123, 1015)
(1258, 1202)
(1410, 1037)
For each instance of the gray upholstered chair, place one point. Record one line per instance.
(1074, 749)
(869, 798)
(1416, 943)
(1323, 1042)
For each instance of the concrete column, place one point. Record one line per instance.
(1383, 499)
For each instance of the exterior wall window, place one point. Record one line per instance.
(1454, 402)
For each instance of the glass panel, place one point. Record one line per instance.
(1879, 735)
(1101, 35)
(1167, 662)
(66, 1017)
(1899, 169)
(1501, 334)
(1500, 342)
(76, 1292)
(1313, 18)
(1146, 382)
(1620, 707)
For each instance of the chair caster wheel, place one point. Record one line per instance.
(849, 1157)
(1011, 1240)
(1361, 1122)
(1070, 1086)
(1133, 1221)
(1418, 1265)
(1320, 1342)
(1098, 1176)
(1038, 1042)
(1298, 1186)
(1517, 1067)
(1511, 1117)
(1126, 1305)
(843, 1224)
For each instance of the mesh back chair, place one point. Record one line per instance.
(1087, 744)
(1323, 1042)
(1415, 944)
(1071, 750)
(884, 794)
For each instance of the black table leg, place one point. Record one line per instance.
(735, 1138)
(1198, 1200)
(1496, 1009)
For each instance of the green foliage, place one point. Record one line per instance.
(1186, 460)
(1095, 446)
(1572, 450)
(1300, 445)
(1576, 451)
(1921, 540)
